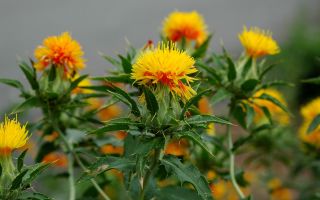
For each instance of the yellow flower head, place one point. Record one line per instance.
(309, 112)
(258, 42)
(12, 135)
(277, 113)
(166, 66)
(61, 51)
(188, 25)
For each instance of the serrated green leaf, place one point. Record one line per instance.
(18, 180)
(30, 75)
(314, 124)
(246, 67)
(249, 85)
(232, 73)
(27, 104)
(177, 193)
(189, 174)
(126, 65)
(204, 119)
(202, 49)
(249, 115)
(197, 139)
(21, 159)
(274, 100)
(151, 101)
(13, 83)
(106, 163)
(36, 171)
(220, 95)
(192, 101)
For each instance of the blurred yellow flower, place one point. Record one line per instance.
(277, 191)
(309, 112)
(277, 113)
(60, 51)
(188, 25)
(206, 109)
(109, 112)
(167, 66)
(84, 83)
(177, 147)
(13, 135)
(258, 42)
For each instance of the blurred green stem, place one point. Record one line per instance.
(146, 178)
(73, 156)
(232, 167)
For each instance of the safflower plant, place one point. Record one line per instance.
(147, 129)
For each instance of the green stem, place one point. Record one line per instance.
(72, 192)
(74, 156)
(149, 173)
(232, 165)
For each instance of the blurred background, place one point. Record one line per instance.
(102, 26)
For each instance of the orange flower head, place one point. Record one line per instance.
(177, 147)
(188, 25)
(58, 159)
(111, 149)
(61, 51)
(165, 66)
(109, 112)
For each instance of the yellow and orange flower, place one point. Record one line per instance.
(61, 51)
(177, 147)
(13, 135)
(258, 42)
(277, 113)
(58, 159)
(109, 112)
(309, 112)
(188, 25)
(206, 109)
(278, 191)
(166, 66)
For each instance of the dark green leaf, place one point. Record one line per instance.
(52, 73)
(266, 69)
(30, 75)
(189, 174)
(106, 163)
(202, 49)
(18, 180)
(312, 80)
(249, 115)
(20, 160)
(204, 119)
(314, 124)
(151, 101)
(246, 67)
(0, 170)
(76, 82)
(126, 65)
(210, 70)
(121, 78)
(267, 114)
(13, 83)
(27, 104)
(239, 114)
(192, 101)
(249, 85)
(241, 141)
(177, 193)
(36, 171)
(197, 139)
(232, 73)
(220, 95)
(115, 125)
(274, 100)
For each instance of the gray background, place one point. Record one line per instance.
(101, 25)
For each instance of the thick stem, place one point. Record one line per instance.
(232, 167)
(72, 192)
(149, 173)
